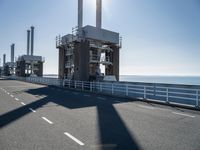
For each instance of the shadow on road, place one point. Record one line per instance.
(114, 135)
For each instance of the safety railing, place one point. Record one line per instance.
(188, 95)
(39, 80)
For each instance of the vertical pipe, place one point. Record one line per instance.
(98, 13)
(28, 41)
(80, 13)
(4, 59)
(32, 39)
(12, 52)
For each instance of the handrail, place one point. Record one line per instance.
(169, 93)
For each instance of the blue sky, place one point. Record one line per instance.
(160, 37)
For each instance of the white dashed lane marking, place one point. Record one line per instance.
(73, 138)
(146, 107)
(23, 103)
(32, 110)
(16, 99)
(47, 120)
(11, 95)
(183, 114)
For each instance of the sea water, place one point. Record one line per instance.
(186, 80)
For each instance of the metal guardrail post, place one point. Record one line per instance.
(82, 86)
(112, 89)
(100, 87)
(91, 86)
(145, 92)
(75, 84)
(127, 90)
(63, 83)
(197, 98)
(167, 95)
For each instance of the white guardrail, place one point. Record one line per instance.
(39, 80)
(188, 95)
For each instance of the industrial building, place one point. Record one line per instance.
(9, 67)
(4, 61)
(29, 64)
(89, 53)
(1, 68)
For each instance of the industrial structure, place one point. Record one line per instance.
(2, 67)
(89, 53)
(29, 65)
(9, 67)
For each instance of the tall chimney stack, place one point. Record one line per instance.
(98, 13)
(32, 39)
(80, 14)
(28, 41)
(4, 59)
(12, 52)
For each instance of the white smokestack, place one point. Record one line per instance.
(98, 13)
(80, 13)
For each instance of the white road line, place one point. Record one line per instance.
(11, 95)
(32, 110)
(101, 98)
(23, 103)
(182, 114)
(47, 120)
(87, 95)
(75, 139)
(146, 107)
(16, 99)
(8, 93)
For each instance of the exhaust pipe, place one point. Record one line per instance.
(80, 14)
(12, 52)
(32, 39)
(28, 41)
(4, 59)
(98, 13)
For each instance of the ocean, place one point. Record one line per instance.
(187, 80)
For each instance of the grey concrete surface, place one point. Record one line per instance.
(90, 121)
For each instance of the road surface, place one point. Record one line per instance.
(38, 117)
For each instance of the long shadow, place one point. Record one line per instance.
(114, 134)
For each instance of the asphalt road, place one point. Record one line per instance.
(37, 117)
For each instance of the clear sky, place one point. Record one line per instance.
(160, 37)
